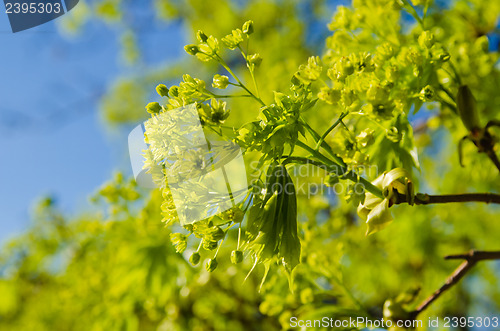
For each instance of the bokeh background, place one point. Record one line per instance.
(72, 89)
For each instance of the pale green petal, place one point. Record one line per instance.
(379, 217)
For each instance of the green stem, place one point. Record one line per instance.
(218, 247)
(334, 125)
(231, 96)
(250, 68)
(224, 64)
(335, 168)
(254, 82)
(239, 237)
(199, 246)
(228, 186)
(327, 147)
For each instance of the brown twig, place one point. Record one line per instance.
(494, 158)
(470, 259)
(426, 199)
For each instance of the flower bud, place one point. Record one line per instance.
(295, 81)
(392, 73)
(427, 93)
(174, 91)
(236, 256)
(343, 68)
(377, 94)
(413, 56)
(393, 134)
(211, 265)
(209, 245)
(255, 59)
(202, 37)
(191, 49)
(441, 55)
(220, 81)
(162, 90)
(386, 51)
(426, 39)
(247, 27)
(482, 44)
(365, 137)
(194, 259)
(329, 95)
(233, 40)
(179, 241)
(153, 107)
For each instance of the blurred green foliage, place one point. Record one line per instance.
(115, 268)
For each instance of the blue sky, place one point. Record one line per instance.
(52, 139)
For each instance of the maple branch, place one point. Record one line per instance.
(426, 199)
(470, 259)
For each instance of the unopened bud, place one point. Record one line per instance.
(247, 27)
(194, 259)
(255, 59)
(202, 37)
(426, 39)
(220, 81)
(236, 256)
(211, 265)
(153, 107)
(191, 49)
(162, 90)
(427, 93)
(174, 91)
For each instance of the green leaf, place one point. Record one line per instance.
(466, 104)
